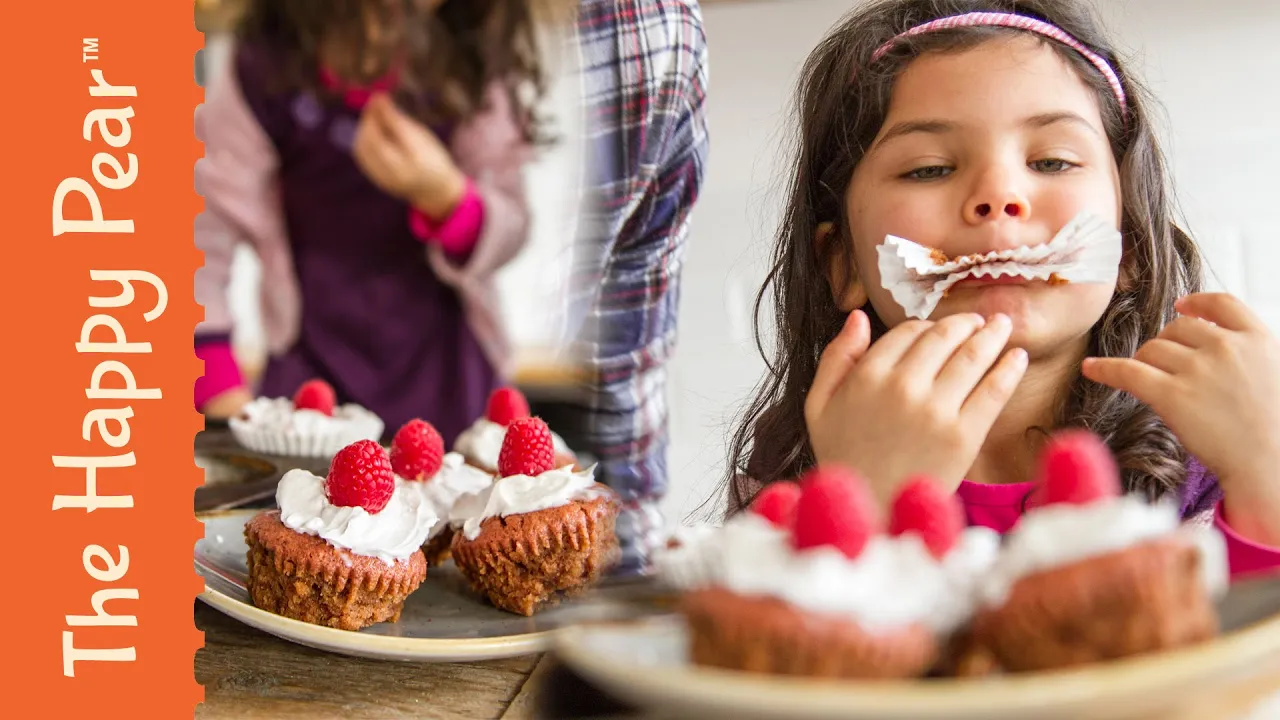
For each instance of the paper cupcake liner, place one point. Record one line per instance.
(1145, 598)
(767, 635)
(1085, 250)
(271, 441)
(525, 562)
(302, 577)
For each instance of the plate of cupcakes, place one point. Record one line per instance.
(414, 553)
(817, 604)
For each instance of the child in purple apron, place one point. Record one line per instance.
(379, 183)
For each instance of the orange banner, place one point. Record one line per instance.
(99, 315)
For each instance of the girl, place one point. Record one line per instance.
(977, 125)
(370, 152)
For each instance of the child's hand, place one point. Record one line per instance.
(406, 159)
(921, 400)
(227, 404)
(1213, 375)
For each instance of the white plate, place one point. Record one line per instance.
(442, 621)
(646, 664)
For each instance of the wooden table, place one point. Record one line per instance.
(247, 673)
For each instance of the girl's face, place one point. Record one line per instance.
(994, 147)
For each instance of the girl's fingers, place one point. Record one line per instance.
(988, 399)
(931, 351)
(884, 356)
(1221, 309)
(1165, 355)
(971, 362)
(838, 358)
(1132, 376)
(1191, 331)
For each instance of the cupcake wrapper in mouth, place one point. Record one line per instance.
(1085, 250)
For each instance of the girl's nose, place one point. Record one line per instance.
(994, 198)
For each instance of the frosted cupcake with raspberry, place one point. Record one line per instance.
(437, 478)
(827, 591)
(342, 551)
(539, 532)
(481, 443)
(311, 424)
(1089, 574)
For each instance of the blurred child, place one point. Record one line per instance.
(370, 152)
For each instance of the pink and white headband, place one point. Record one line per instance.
(1018, 22)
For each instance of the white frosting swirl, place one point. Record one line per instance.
(439, 492)
(279, 415)
(482, 442)
(1055, 535)
(894, 582)
(392, 534)
(518, 494)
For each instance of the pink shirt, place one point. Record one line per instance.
(999, 506)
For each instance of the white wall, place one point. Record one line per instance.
(1213, 64)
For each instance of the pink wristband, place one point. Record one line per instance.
(220, 372)
(458, 233)
(1244, 556)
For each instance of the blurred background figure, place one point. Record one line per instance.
(644, 76)
(365, 185)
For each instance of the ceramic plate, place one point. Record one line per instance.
(644, 662)
(442, 621)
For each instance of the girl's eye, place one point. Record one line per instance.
(1051, 165)
(931, 172)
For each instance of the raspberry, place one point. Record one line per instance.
(360, 476)
(835, 508)
(417, 450)
(924, 508)
(506, 405)
(1076, 467)
(777, 504)
(527, 448)
(315, 395)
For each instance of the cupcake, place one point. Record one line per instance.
(436, 478)
(481, 443)
(539, 532)
(342, 551)
(1089, 574)
(310, 425)
(808, 583)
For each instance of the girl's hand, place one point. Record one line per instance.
(227, 404)
(921, 400)
(405, 159)
(1213, 376)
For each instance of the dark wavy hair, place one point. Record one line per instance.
(840, 113)
(449, 54)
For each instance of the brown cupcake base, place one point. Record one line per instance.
(1142, 599)
(437, 549)
(525, 562)
(767, 635)
(302, 577)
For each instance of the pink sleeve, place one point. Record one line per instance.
(237, 179)
(458, 233)
(1244, 556)
(492, 152)
(220, 372)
